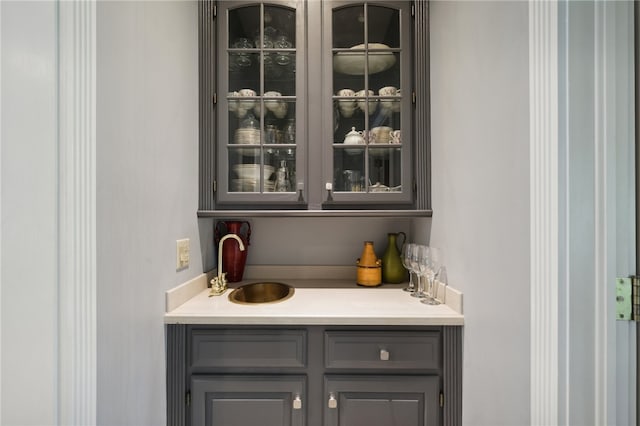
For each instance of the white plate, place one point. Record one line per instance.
(353, 63)
(252, 171)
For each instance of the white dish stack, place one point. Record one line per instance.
(249, 178)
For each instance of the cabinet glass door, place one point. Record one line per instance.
(370, 102)
(258, 114)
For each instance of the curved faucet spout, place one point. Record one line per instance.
(219, 283)
(222, 240)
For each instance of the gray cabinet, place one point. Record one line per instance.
(314, 375)
(314, 106)
(401, 381)
(261, 105)
(240, 400)
(367, 80)
(382, 400)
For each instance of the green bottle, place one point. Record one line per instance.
(393, 272)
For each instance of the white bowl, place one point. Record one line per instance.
(353, 63)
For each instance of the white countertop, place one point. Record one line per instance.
(314, 302)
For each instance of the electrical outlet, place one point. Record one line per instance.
(182, 253)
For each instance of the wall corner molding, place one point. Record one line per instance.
(77, 386)
(544, 204)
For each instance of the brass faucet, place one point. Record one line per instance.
(219, 283)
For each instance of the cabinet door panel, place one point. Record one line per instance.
(380, 410)
(382, 401)
(247, 400)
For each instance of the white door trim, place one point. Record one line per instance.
(77, 176)
(543, 112)
(579, 123)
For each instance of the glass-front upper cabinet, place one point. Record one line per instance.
(314, 106)
(367, 69)
(259, 112)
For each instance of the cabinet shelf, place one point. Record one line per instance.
(314, 213)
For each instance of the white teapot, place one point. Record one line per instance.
(354, 138)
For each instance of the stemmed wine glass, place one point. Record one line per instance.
(420, 262)
(433, 269)
(406, 262)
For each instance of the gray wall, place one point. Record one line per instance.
(147, 188)
(319, 241)
(28, 232)
(480, 159)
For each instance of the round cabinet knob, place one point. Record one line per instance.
(333, 403)
(297, 403)
(384, 355)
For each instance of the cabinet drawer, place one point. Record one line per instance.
(241, 348)
(382, 349)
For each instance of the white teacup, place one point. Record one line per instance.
(347, 106)
(271, 104)
(241, 111)
(247, 92)
(233, 103)
(346, 93)
(388, 91)
(246, 103)
(390, 106)
(362, 103)
(347, 110)
(395, 106)
(281, 110)
(381, 134)
(396, 136)
(363, 93)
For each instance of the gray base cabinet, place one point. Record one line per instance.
(238, 400)
(382, 401)
(313, 376)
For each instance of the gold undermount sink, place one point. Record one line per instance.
(261, 292)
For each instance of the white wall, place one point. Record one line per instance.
(28, 276)
(147, 152)
(147, 189)
(480, 195)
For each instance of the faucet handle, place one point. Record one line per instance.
(218, 286)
